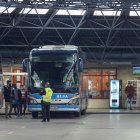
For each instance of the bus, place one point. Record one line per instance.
(62, 67)
(1, 85)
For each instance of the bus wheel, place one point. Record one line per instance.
(77, 114)
(83, 112)
(34, 114)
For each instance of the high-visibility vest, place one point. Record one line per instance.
(47, 97)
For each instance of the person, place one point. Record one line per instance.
(7, 97)
(23, 100)
(15, 100)
(129, 91)
(46, 101)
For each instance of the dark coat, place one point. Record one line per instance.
(18, 94)
(130, 91)
(7, 93)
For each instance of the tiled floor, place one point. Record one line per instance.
(88, 127)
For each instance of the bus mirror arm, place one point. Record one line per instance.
(80, 65)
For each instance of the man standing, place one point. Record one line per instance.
(46, 101)
(7, 97)
(129, 91)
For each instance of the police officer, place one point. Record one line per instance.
(46, 101)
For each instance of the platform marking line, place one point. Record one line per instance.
(23, 126)
(11, 132)
(3, 132)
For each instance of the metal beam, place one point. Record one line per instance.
(72, 28)
(86, 46)
(45, 25)
(103, 4)
(79, 25)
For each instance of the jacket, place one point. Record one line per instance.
(16, 93)
(48, 95)
(7, 93)
(130, 91)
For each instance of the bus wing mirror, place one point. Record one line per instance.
(80, 65)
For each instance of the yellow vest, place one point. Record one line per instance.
(47, 97)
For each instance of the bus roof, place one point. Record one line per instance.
(58, 47)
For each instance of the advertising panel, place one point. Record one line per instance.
(136, 70)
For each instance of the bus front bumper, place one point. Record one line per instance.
(57, 108)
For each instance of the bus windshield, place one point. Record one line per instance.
(57, 68)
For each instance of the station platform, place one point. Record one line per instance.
(113, 111)
(89, 127)
(99, 111)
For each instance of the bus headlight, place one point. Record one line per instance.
(74, 101)
(33, 102)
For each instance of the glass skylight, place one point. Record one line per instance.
(6, 10)
(34, 11)
(71, 12)
(106, 13)
(134, 13)
(2, 9)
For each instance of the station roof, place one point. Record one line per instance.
(107, 30)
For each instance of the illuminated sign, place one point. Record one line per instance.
(136, 70)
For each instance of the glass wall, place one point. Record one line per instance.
(98, 82)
